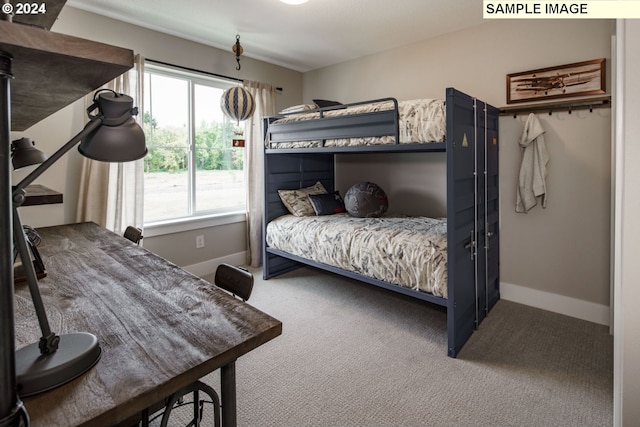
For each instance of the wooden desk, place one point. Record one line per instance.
(160, 328)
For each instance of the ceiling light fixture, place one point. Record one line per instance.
(294, 2)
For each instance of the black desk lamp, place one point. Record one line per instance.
(23, 154)
(111, 135)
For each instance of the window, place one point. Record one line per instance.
(192, 170)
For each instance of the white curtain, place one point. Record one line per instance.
(111, 194)
(265, 97)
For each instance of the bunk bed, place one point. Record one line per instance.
(300, 152)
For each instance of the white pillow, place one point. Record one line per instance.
(297, 201)
(299, 108)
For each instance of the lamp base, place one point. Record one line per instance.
(36, 373)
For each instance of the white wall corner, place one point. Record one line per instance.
(206, 268)
(585, 310)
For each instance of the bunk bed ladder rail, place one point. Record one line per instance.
(482, 214)
(487, 213)
(486, 209)
(487, 232)
(491, 205)
(476, 204)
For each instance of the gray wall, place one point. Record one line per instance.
(561, 250)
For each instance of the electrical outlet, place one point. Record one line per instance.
(199, 241)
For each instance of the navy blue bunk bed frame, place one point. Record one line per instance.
(472, 198)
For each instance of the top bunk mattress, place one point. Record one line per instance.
(420, 121)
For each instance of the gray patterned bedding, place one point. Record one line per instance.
(420, 121)
(407, 251)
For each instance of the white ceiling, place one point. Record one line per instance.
(304, 37)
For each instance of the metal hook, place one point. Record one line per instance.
(237, 49)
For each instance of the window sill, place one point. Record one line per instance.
(195, 223)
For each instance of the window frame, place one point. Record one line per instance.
(194, 219)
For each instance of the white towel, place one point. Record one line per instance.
(533, 170)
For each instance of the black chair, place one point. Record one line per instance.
(133, 233)
(176, 400)
(239, 282)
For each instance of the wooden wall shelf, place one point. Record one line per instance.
(602, 101)
(42, 20)
(40, 195)
(53, 70)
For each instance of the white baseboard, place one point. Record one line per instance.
(561, 304)
(205, 268)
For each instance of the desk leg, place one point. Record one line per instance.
(145, 418)
(228, 385)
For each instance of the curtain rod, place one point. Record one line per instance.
(603, 101)
(279, 89)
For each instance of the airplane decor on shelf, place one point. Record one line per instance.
(582, 78)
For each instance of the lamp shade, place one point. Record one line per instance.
(24, 153)
(119, 138)
(237, 103)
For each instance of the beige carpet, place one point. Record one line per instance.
(355, 355)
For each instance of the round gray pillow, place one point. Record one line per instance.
(366, 200)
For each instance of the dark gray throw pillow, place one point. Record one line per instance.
(327, 204)
(321, 103)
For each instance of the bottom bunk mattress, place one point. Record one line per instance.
(407, 251)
